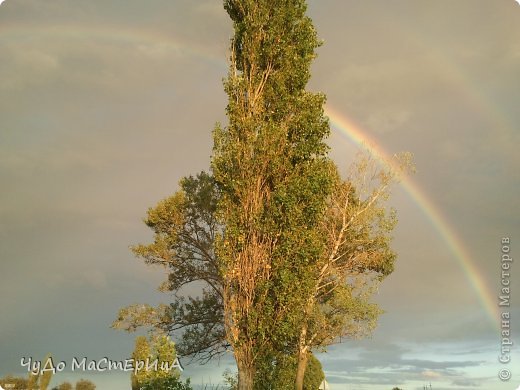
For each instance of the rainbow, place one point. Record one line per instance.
(146, 41)
(158, 43)
(355, 134)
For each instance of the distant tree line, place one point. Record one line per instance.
(34, 382)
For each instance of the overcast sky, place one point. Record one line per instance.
(105, 105)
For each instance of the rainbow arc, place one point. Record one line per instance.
(355, 134)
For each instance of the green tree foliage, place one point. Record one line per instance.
(158, 355)
(271, 166)
(287, 252)
(356, 228)
(281, 374)
(167, 383)
(84, 384)
(64, 386)
(185, 227)
(302, 250)
(141, 352)
(314, 374)
(41, 380)
(19, 383)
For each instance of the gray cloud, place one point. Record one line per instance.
(105, 105)
(387, 364)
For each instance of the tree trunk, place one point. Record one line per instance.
(246, 370)
(245, 378)
(303, 357)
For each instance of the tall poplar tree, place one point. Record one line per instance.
(274, 175)
(287, 253)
